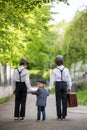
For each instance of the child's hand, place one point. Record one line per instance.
(68, 91)
(49, 90)
(29, 91)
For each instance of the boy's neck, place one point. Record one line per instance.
(41, 86)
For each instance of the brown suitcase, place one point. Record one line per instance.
(72, 100)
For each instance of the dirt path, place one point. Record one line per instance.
(76, 119)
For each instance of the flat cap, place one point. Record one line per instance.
(42, 81)
(24, 61)
(59, 58)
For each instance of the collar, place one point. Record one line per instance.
(21, 67)
(60, 67)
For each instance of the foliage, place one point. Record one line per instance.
(82, 97)
(40, 39)
(75, 42)
(25, 32)
(12, 11)
(82, 85)
(3, 100)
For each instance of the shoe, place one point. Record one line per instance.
(59, 117)
(38, 120)
(21, 118)
(63, 118)
(16, 118)
(43, 119)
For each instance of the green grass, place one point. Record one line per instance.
(3, 100)
(82, 97)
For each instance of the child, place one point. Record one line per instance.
(60, 75)
(21, 84)
(42, 94)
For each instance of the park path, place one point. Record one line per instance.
(76, 119)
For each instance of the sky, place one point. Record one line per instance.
(65, 12)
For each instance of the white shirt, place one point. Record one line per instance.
(24, 77)
(55, 75)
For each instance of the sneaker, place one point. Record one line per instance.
(38, 119)
(16, 118)
(21, 118)
(43, 119)
(63, 118)
(59, 117)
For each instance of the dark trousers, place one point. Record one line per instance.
(41, 109)
(20, 99)
(61, 98)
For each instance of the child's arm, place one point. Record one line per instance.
(35, 92)
(47, 93)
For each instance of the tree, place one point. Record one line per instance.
(25, 35)
(75, 42)
(25, 31)
(40, 39)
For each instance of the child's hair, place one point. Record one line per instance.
(59, 63)
(23, 62)
(59, 60)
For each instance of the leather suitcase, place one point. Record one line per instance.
(72, 100)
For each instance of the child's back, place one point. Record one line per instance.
(42, 94)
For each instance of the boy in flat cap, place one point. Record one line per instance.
(41, 94)
(21, 84)
(60, 75)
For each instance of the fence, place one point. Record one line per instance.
(5, 80)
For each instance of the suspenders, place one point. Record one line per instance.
(20, 74)
(61, 73)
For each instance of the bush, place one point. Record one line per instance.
(82, 85)
(82, 97)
